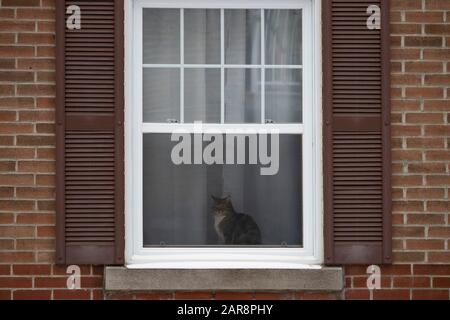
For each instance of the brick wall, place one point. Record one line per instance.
(421, 162)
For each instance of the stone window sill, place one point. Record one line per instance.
(323, 279)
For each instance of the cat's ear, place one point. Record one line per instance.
(215, 199)
(228, 199)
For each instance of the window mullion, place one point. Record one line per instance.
(263, 69)
(222, 66)
(182, 65)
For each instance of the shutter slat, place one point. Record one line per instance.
(356, 137)
(90, 134)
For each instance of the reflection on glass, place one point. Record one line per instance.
(161, 36)
(283, 37)
(178, 208)
(161, 95)
(202, 36)
(243, 96)
(202, 95)
(284, 95)
(242, 36)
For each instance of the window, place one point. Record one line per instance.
(236, 81)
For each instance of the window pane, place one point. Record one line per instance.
(202, 36)
(161, 93)
(178, 204)
(283, 29)
(243, 36)
(161, 36)
(243, 96)
(284, 95)
(202, 95)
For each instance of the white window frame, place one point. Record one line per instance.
(311, 254)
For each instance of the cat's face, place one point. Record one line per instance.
(222, 206)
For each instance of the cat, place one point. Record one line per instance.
(234, 228)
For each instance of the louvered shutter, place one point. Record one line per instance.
(356, 134)
(90, 190)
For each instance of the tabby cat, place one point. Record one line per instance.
(234, 228)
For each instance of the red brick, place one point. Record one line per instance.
(439, 232)
(16, 232)
(425, 219)
(15, 282)
(414, 232)
(36, 90)
(71, 294)
(315, 296)
(91, 282)
(32, 295)
(425, 118)
(47, 282)
(16, 51)
(441, 282)
(425, 143)
(37, 166)
(357, 294)
(430, 295)
(231, 296)
(154, 296)
(424, 244)
(424, 17)
(426, 168)
(36, 64)
(17, 257)
(394, 294)
(16, 76)
(119, 296)
(407, 206)
(17, 205)
(436, 54)
(35, 218)
(273, 296)
(16, 25)
(424, 66)
(35, 193)
(193, 295)
(32, 269)
(439, 257)
(437, 5)
(418, 41)
(431, 269)
(5, 295)
(5, 270)
(406, 4)
(6, 244)
(424, 92)
(425, 193)
(62, 270)
(412, 282)
(35, 244)
(408, 256)
(46, 232)
(36, 14)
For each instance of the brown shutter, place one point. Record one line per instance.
(356, 134)
(90, 161)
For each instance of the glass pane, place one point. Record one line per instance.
(243, 96)
(202, 36)
(161, 36)
(202, 95)
(283, 37)
(179, 209)
(243, 36)
(284, 95)
(161, 95)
